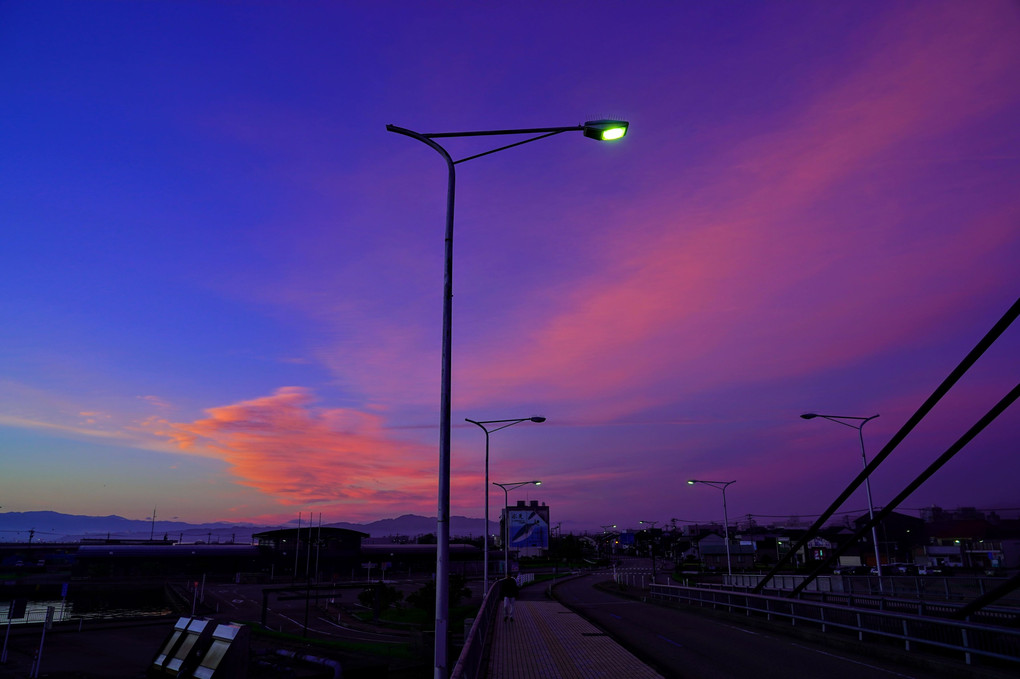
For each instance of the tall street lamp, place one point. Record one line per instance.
(507, 487)
(721, 485)
(604, 130)
(858, 424)
(503, 424)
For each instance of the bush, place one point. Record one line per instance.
(425, 598)
(379, 597)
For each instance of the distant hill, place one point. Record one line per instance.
(45, 526)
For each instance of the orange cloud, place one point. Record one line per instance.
(284, 446)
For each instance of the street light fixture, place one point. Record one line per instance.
(604, 130)
(859, 426)
(507, 487)
(609, 539)
(721, 485)
(503, 425)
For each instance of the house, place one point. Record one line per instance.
(711, 549)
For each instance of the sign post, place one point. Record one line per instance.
(15, 610)
(34, 673)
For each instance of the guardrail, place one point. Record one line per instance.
(471, 663)
(992, 615)
(916, 633)
(930, 587)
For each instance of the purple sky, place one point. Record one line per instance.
(222, 277)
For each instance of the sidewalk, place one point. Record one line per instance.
(545, 640)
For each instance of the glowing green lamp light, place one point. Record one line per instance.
(605, 130)
(614, 133)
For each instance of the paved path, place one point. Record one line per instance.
(545, 640)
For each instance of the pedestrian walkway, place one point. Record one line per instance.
(545, 640)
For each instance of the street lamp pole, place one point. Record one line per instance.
(503, 425)
(721, 485)
(605, 532)
(507, 487)
(605, 130)
(859, 426)
(651, 545)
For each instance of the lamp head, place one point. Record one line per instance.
(809, 416)
(538, 419)
(691, 482)
(537, 483)
(605, 130)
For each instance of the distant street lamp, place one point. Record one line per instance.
(603, 130)
(503, 425)
(861, 421)
(605, 532)
(721, 485)
(651, 545)
(507, 487)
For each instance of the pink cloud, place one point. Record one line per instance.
(285, 447)
(729, 280)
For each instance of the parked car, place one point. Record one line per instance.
(902, 569)
(851, 570)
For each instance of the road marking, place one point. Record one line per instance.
(741, 629)
(669, 641)
(616, 616)
(856, 662)
(357, 631)
(346, 629)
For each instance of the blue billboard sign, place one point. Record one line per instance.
(529, 527)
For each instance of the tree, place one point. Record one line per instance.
(425, 598)
(379, 597)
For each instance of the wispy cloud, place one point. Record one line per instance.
(725, 289)
(156, 401)
(86, 429)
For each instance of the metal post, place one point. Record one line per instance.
(503, 425)
(726, 533)
(871, 505)
(297, 544)
(7, 635)
(861, 421)
(721, 485)
(443, 509)
(485, 530)
(506, 533)
(594, 129)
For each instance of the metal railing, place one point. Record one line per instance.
(916, 633)
(931, 587)
(471, 663)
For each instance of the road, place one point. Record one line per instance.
(690, 645)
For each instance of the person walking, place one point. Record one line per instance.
(510, 591)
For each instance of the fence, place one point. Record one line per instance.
(916, 633)
(471, 663)
(947, 588)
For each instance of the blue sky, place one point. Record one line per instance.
(223, 277)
